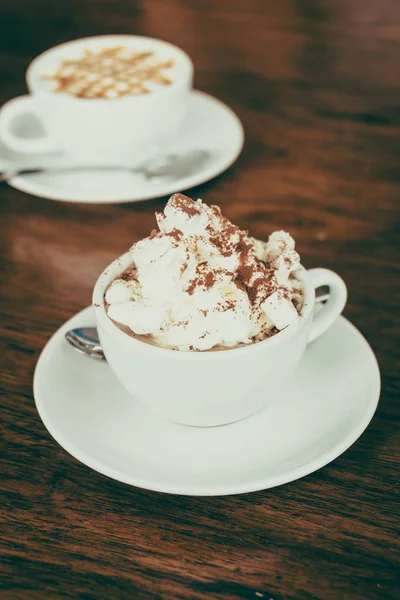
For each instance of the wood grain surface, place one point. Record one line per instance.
(317, 86)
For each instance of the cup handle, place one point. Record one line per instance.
(335, 303)
(23, 105)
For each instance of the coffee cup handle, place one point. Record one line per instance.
(335, 304)
(9, 113)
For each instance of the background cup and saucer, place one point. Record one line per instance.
(48, 128)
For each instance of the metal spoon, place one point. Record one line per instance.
(173, 166)
(86, 339)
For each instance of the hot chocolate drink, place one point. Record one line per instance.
(200, 283)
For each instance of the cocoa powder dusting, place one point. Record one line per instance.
(228, 305)
(283, 293)
(209, 280)
(129, 274)
(217, 242)
(184, 266)
(245, 273)
(217, 211)
(192, 286)
(206, 280)
(175, 233)
(185, 204)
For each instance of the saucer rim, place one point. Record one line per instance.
(26, 185)
(264, 483)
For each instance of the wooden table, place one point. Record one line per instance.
(317, 86)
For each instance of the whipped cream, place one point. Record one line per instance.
(201, 283)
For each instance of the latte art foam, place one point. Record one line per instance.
(201, 283)
(111, 73)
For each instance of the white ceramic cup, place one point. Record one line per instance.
(215, 387)
(128, 129)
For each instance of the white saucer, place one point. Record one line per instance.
(326, 407)
(210, 126)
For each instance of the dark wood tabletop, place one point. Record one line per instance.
(317, 86)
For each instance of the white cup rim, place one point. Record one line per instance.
(104, 321)
(31, 80)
